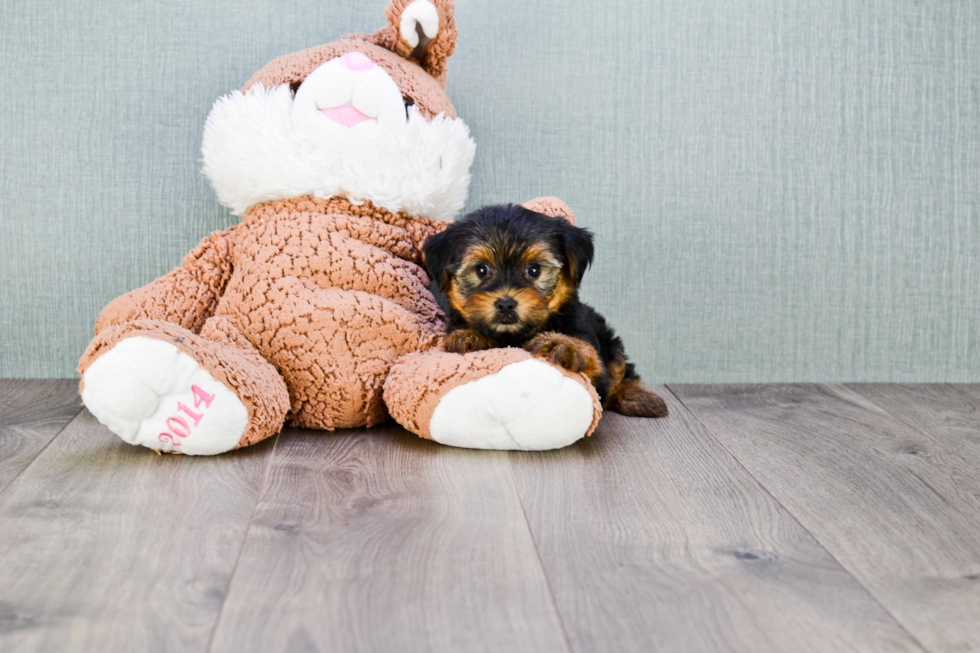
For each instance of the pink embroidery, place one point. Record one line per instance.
(179, 426)
(201, 396)
(174, 422)
(195, 416)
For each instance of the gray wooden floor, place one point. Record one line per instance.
(755, 518)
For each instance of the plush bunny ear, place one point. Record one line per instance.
(551, 206)
(423, 30)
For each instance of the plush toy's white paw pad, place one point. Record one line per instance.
(527, 405)
(150, 393)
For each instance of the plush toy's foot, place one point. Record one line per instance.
(150, 389)
(496, 399)
(149, 393)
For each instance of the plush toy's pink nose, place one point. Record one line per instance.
(357, 62)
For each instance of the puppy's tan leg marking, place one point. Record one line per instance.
(462, 341)
(631, 398)
(574, 354)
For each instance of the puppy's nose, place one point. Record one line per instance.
(357, 61)
(506, 304)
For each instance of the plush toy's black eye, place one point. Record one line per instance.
(534, 271)
(483, 271)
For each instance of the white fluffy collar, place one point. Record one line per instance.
(253, 154)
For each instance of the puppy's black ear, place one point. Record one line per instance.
(439, 252)
(579, 250)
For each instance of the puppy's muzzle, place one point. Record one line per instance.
(506, 310)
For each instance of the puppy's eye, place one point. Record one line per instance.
(482, 271)
(533, 271)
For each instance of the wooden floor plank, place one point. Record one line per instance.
(32, 412)
(653, 538)
(899, 508)
(111, 547)
(947, 414)
(379, 541)
(970, 389)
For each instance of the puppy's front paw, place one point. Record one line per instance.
(574, 354)
(462, 341)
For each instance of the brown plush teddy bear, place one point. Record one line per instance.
(315, 310)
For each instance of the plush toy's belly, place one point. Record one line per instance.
(332, 313)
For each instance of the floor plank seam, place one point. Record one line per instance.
(789, 512)
(899, 418)
(241, 549)
(537, 553)
(42, 450)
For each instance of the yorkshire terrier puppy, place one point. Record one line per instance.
(511, 277)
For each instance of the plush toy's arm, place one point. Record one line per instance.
(492, 399)
(186, 296)
(551, 206)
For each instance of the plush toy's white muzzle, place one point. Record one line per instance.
(344, 94)
(346, 132)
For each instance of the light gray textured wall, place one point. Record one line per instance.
(781, 190)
